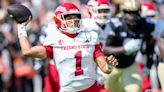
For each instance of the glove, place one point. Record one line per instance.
(132, 46)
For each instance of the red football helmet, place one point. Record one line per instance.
(63, 11)
(94, 10)
(148, 9)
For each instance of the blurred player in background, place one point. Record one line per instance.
(160, 44)
(100, 14)
(129, 32)
(150, 79)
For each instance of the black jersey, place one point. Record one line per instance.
(122, 34)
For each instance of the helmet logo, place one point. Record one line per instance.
(61, 9)
(73, 11)
(60, 42)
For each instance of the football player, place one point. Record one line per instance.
(100, 14)
(75, 52)
(129, 33)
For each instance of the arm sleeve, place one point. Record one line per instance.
(49, 51)
(98, 52)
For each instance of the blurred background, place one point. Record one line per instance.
(19, 74)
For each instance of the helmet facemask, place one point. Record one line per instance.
(70, 23)
(131, 18)
(101, 15)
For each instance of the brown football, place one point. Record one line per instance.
(19, 13)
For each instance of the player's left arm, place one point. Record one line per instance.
(160, 44)
(105, 63)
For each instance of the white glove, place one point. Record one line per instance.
(132, 46)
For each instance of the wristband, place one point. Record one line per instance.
(22, 31)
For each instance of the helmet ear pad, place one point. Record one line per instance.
(57, 22)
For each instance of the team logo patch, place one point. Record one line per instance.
(61, 42)
(73, 11)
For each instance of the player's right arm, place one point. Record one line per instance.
(160, 44)
(27, 49)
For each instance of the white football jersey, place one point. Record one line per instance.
(74, 58)
(90, 24)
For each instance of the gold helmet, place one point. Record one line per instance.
(130, 5)
(117, 1)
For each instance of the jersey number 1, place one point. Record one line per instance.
(78, 56)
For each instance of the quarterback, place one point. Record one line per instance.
(75, 52)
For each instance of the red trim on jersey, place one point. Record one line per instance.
(78, 57)
(96, 88)
(47, 86)
(49, 51)
(70, 35)
(98, 52)
(52, 81)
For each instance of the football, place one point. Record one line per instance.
(19, 13)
